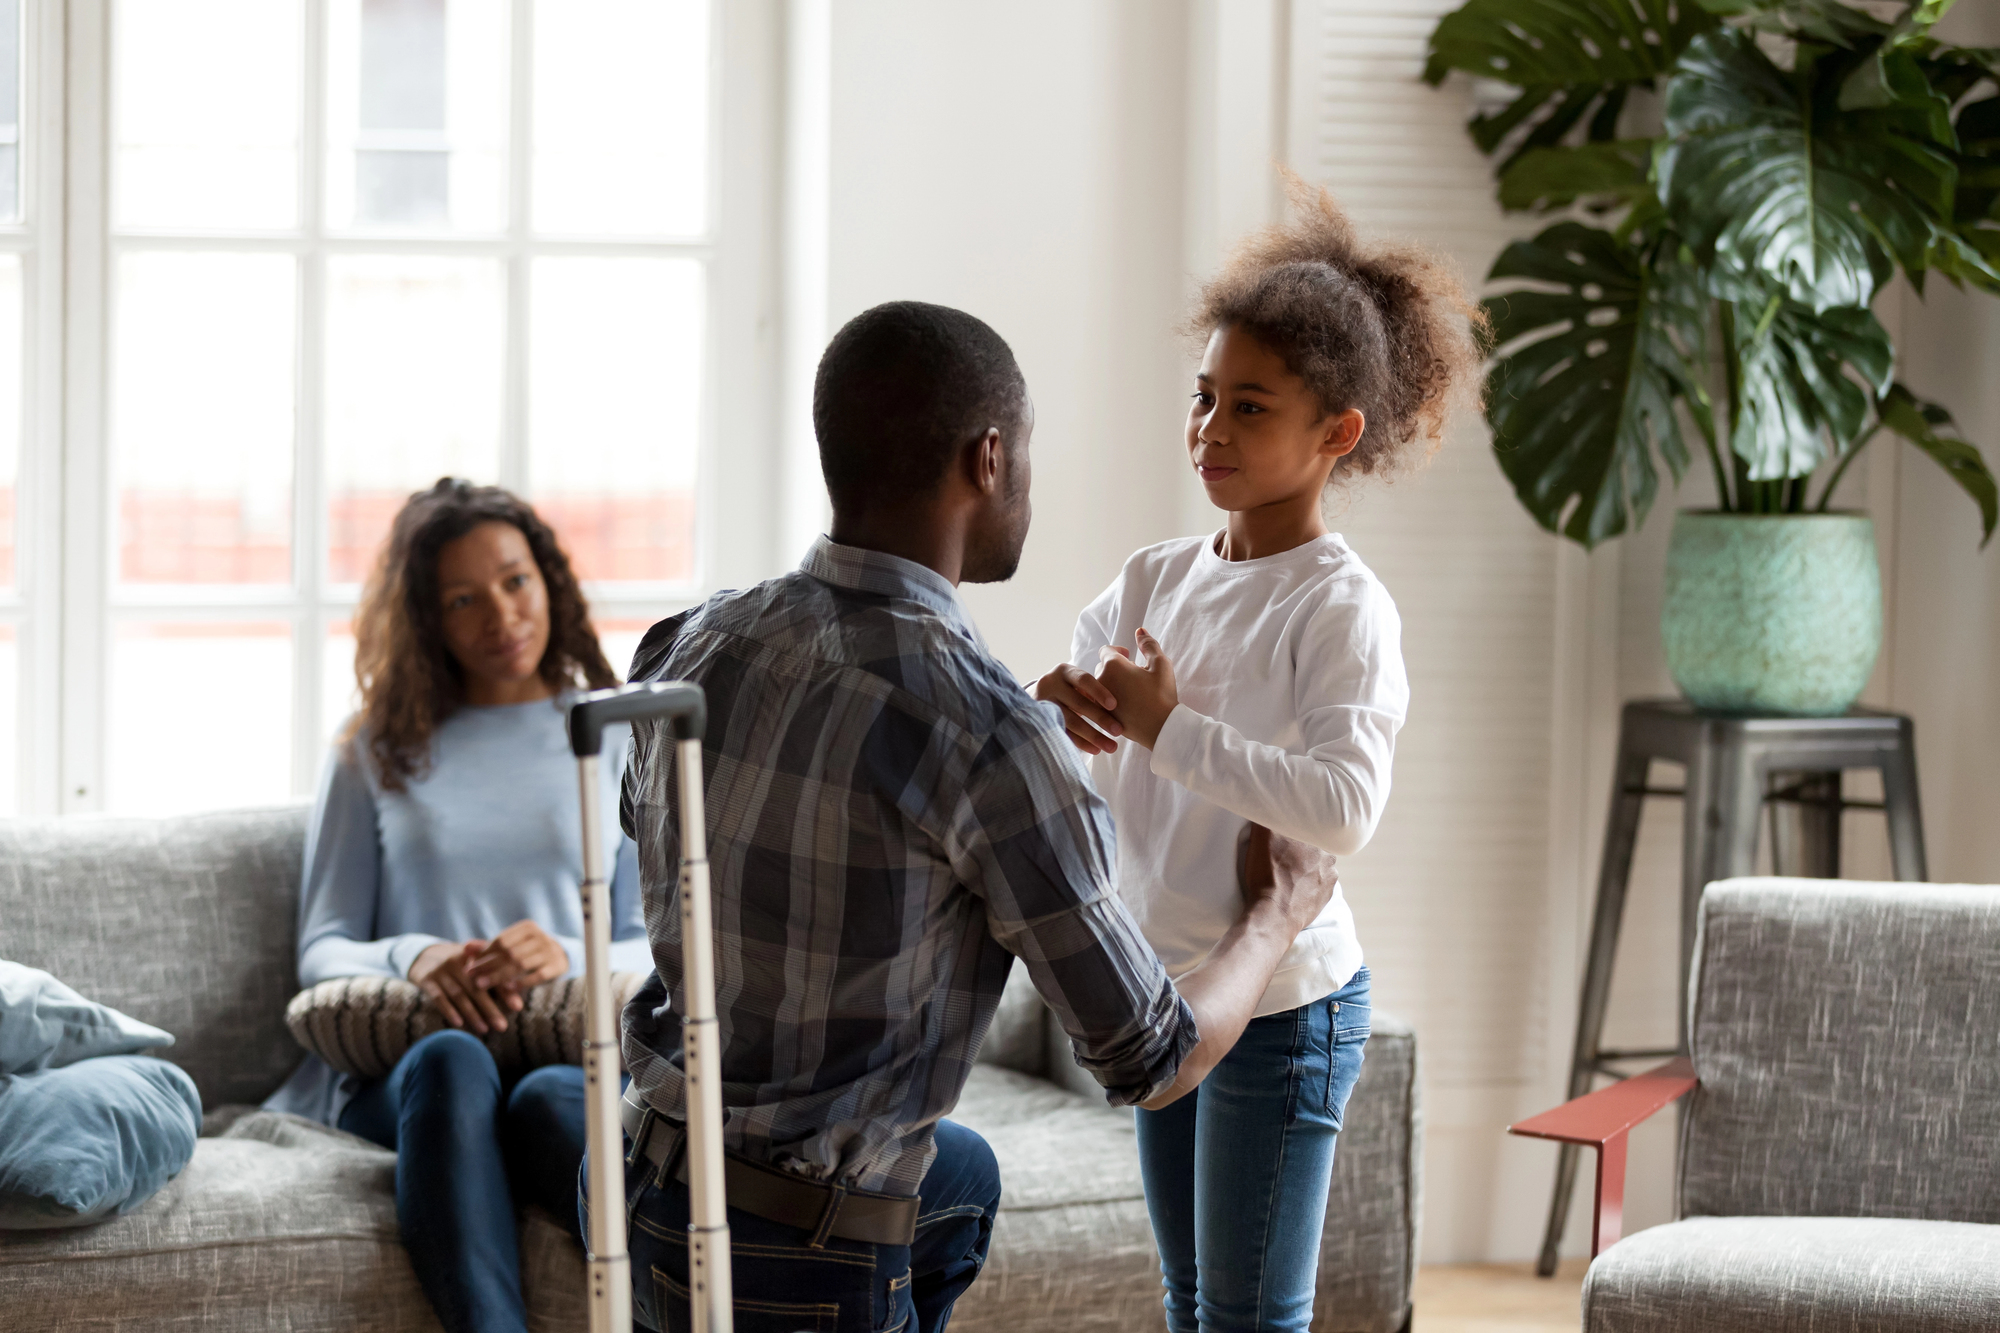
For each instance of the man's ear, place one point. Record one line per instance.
(988, 460)
(1343, 433)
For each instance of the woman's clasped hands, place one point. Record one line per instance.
(1128, 696)
(478, 983)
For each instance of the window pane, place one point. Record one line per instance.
(339, 695)
(614, 411)
(206, 100)
(620, 639)
(417, 114)
(201, 417)
(163, 755)
(10, 110)
(10, 720)
(414, 355)
(621, 126)
(10, 417)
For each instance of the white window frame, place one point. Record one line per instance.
(32, 607)
(64, 690)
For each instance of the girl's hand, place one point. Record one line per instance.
(441, 973)
(1086, 707)
(1145, 689)
(519, 958)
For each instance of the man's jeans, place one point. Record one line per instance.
(1237, 1171)
(782, 1284)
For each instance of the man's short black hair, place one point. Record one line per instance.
(902, 387)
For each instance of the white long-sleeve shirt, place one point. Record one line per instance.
(1291, 683)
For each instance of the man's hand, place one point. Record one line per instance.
(519, 958)
(1086, 704)
(1144, 689)
(1286, 884)
(440, 972)
(1295, 878)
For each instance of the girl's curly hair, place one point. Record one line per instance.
(410, 682)
(1388, 329)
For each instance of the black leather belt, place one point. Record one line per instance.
(813, 1206)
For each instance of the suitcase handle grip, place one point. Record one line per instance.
(679, 702)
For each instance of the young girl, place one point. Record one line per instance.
(1258, 676)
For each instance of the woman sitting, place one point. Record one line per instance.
(445, 848)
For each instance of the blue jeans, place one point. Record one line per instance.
(468, 1150)
(781, 1284)
(1237, 1171)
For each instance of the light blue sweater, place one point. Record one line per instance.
(490, 835)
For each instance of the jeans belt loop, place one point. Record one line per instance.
(638, 1137)
(836, 1195)
(670, 1160)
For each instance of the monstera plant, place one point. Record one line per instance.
(1733, 183)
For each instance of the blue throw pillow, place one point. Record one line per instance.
(93, 1139)
(46, 1025)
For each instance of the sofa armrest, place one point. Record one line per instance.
(1601, 1120)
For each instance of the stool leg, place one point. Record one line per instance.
(1725, 799)
(1805, 833)
(1819, 819)
(1906, 815)
(1621, 834)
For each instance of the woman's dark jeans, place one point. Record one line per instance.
(469, 1148)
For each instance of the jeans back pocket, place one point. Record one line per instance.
(752, 1315)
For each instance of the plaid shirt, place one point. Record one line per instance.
(891, 821)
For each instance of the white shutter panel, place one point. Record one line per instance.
(1452, 895)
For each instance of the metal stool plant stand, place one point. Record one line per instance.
(1735, 765)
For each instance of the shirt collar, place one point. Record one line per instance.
(863, 570)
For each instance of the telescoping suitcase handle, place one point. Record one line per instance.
(682, 704)
(686, 711)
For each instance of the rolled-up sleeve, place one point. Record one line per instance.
(1035, 841)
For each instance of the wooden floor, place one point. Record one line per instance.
(1498, 1298)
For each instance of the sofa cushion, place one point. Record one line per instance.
(92, 1139)
(46, 1025)
(1844, 1038)
(190, 924)
(1798, 1275)
(276, 1223)
(1016, 1039)
(364, 1025)
(1073, 1248)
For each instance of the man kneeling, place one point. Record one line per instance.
(892, 821)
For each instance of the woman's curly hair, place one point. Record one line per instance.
(1388, 329)
(410, 682)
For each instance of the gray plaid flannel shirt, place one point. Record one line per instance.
(891, 821)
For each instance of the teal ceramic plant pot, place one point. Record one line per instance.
(1772, 613)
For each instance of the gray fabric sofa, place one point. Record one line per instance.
(1840, 1155)
(282, 1224)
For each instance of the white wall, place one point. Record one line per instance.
(1023, 162)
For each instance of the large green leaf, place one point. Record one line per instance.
(1926, 425)
(1956, 73)
(1571, 59)
(1611, 174)
(1767, 173)
(1592, 362)
(1833, 21)
(1804, 381)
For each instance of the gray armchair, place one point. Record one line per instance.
(1840, 1154)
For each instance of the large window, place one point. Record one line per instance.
(322, 253)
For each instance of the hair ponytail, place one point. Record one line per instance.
(1388, 329)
